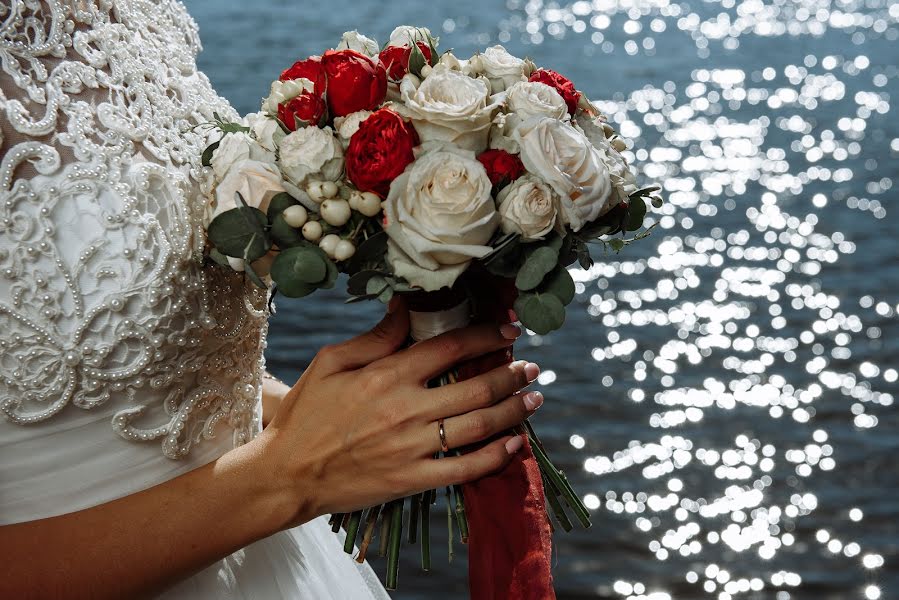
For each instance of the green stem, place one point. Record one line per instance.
(414, 507)
(426, 530)
(449, 524)
(558, 479)
(352, 531)
(371, 521)
(336, 521)
(552, 498)
(461, 518)
(396, 535)
(385, 531)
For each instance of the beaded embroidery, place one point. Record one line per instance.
(102, 289)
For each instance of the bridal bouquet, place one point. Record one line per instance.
(467, 185)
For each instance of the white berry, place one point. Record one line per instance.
(354, 200)
(329, 244)
(312, 231)
(296, 215)
(344, 250)
(314, 189)
(425, 71)
(369, 204)
(329, 189)
(336, 212)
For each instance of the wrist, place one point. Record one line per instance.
(284, 482)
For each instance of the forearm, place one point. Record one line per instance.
(139, 545)
(273, 391)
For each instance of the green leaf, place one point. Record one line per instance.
(541, 313)
(540, 262)
(284, 235)
(376, 285)
(252, 276)
(332, 272)
(617, 244)
(560, 284)
(583, 256)
(219, 258)
(279, 204)
(636, 213)
(435, 55)
(370, 253)
(240, 233)
(356, 285)
(299, 271)
(206, 157)
(417, 61)
(645, 191)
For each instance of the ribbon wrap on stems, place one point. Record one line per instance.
(510, 537)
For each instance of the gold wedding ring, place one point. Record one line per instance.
(444, 447)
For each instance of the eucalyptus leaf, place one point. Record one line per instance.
(253, 276)
(240, 233)
(376, 285)
(371, 252)
(540, 262)
(278, 204)
(541, 313)
(617, 244)
(560, 284)
(356, 285)
(332, 272)
(284, 235)
(219, 258)
(636, 213)
(299, 271)
(206, 157)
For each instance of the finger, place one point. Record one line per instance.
(430, 358)
(384, 339)
(484, 423)
(452, 470)
(478, 392)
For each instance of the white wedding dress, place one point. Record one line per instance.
(123, 361)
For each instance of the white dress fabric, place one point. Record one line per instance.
(124, 361)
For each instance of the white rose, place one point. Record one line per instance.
(257, 182)
(527, 207)
(311, 151)
(282, 91)
(449, 107)
(528, 99)
(406, 35)
(348, 125)
(440, 216)
(624, 182)
(353, 40)
(265, 130)
(501, 68)
(234, 148)
(564, 158)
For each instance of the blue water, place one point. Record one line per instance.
(723, 394)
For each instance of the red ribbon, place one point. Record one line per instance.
(510, 538)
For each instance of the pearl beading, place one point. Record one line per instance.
(103, 293)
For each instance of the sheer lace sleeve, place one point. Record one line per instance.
(105, 306)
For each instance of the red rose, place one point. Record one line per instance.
(355, 82)
(308, 108)
(310, 69)
(396, 59)
(561, 84)
(502, 167)
(380, 151)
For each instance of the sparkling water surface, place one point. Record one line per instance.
(723, 393)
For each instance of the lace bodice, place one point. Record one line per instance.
(106, 311)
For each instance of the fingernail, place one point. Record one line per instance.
(533, 400)
(531, 371)
(510, 332)
(514, 445)
(393, 305)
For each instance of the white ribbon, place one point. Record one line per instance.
(426, 325)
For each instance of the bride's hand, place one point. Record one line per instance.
(360, 426)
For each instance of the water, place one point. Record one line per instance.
(723, 396)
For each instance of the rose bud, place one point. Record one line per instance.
(355, 82)
(310, 69)
(502, 168)
(396, 59)
(380, 151)
(563, 85)
(307, 108)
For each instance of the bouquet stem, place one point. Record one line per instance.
(396, 536)
(426, 530)
(352, 531)
(371, 522)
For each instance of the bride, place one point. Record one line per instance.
(132, 386)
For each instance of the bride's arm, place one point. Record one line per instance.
(273, 392)
(356, 430)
